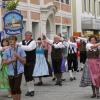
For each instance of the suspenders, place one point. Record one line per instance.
(71, 50)
(14, 64)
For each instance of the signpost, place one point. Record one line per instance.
(12, 19)
(13, 22)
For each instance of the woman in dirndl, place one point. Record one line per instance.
(41, 67)
(4, 83)
(91, 71)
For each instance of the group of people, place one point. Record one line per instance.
(46, 58)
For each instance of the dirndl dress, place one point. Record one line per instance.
(4, 83)
(41, 66)
(85, 79)
(63, 68)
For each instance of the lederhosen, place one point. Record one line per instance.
(15, 81)
(56, 56)
(72, 59)
(30, 62)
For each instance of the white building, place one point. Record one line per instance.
(86, 16)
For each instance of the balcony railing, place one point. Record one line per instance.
(90, 24)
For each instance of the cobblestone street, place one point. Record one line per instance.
(69, 91)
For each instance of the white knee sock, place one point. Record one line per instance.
(74, 73)
(30, 86)
(82, 65)
(70, 73)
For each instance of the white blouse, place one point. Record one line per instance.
(89, 45)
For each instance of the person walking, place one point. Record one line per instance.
(91, 70)
(82, 50)
(4, 83)
(72, 58)
(15, 58)
(56, 56)
(41, 68)
(29, 46)
(93, 62)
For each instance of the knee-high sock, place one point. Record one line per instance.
(30, 86)
(70, 73)
(81, 65)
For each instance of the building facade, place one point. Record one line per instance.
(45, 17)
(86, 16)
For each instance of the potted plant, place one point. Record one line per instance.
(11, 5)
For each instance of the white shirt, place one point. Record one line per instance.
(29, 47)
(56, 45)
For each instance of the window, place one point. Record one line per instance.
(62, 0)
(67, 1)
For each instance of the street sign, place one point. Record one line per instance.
(13, 22)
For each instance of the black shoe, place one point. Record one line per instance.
(98, 97)
(32, 93)
(58, 83)
(53, 79)
(39, 84)
(27, 94)
(71, 79)
(93, 96)
(74, 78)
(63, 79)
(81, 69)
(78, 70)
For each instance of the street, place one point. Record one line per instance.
(69, 90)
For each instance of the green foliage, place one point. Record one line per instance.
(11, 5)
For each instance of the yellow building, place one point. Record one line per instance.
(86, 16)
